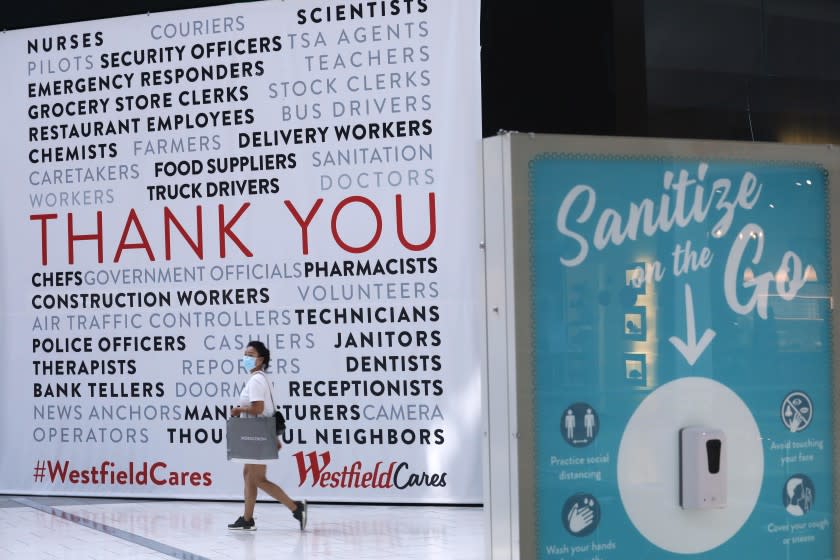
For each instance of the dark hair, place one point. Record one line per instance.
(262, 352)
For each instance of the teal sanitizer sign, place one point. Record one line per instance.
(682, 358)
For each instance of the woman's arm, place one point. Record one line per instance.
(255, 409)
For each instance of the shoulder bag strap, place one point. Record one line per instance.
(270, 393)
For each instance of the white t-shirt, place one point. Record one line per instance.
(257, 389)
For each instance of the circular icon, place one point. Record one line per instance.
(648, 475)
(798, 495)
(579, 424)
(581, 514)
(797, 411)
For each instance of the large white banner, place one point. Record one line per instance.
(175, 185)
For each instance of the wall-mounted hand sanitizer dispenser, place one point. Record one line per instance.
(702, 468)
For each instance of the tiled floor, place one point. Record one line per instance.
(70, 528)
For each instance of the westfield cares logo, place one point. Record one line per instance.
(314, 466)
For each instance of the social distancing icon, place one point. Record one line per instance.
(580, 424)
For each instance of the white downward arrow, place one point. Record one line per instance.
(691, 348)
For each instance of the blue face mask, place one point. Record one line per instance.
(249, 363)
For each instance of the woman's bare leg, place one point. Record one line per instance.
(251, 475)
(261, 482)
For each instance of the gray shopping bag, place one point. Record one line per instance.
(251, 438)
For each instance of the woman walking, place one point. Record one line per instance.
(256, 400)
